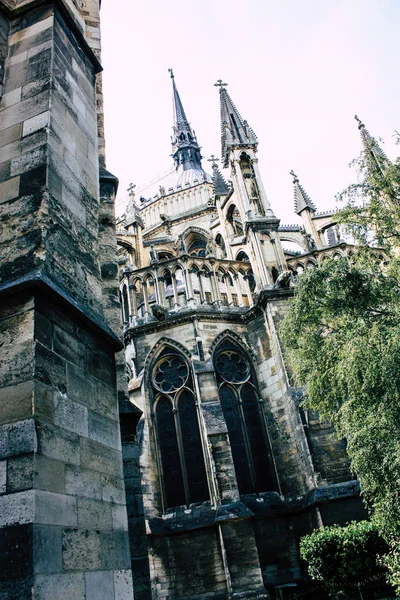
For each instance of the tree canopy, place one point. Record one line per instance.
(342, 337)
(347, 558)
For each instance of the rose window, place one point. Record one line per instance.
(232, 367)
(171, 374)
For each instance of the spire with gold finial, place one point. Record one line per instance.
(235, 131)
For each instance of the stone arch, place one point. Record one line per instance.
(159, 346)
(228, 334)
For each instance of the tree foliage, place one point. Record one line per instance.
(343, 340)
(345, 558)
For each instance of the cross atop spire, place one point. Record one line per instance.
(220, 84)
(373, 151)
(301, 199)
(186, 151)
(234, 130)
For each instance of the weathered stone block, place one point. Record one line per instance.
(70, 415)
(119, 517)
(68, 346)
(15, 552)
(79, 482)
(55, 509)
(100, 458)
(18, 438)
(47, 555)
(60, 586)
(81, 550)
(94, 515)
(80, 386)
(49, 474)
(17, 508)
(113, 489)
(50, 368)
(115, 550)
(16, 402)
(58, 444)
(123, 585)
(3, 476)
(100, 585)
(20, 472)
(103, 430)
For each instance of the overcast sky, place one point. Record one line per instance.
(298, 71)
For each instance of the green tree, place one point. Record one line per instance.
(342, 336)
(345, 559)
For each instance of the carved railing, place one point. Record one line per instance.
(174, 285)
(315, 257)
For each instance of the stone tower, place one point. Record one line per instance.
(233, 470)
(62, 505)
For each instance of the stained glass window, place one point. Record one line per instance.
(251, 451)
(179, 442)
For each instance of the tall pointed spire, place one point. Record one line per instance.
(301, 199)
(235, 131)
(186, 151)
(373, 151)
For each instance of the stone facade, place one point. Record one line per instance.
(63, 518)
(233, 470)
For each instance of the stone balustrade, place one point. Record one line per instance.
(185, 282)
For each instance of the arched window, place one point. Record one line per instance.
(239, 398)
(178, 434)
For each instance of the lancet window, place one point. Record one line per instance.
(251, 451)
(183, 472)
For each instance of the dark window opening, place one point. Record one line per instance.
(239, 398)
(178, 433)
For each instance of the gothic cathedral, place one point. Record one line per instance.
(233, 470)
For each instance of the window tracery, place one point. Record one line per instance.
(178, 434)
(237, 388)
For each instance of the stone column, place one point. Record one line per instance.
(175, 289)
(62, 502)
(145, 298)
(249, 292)
(228, 290)
(238, 289)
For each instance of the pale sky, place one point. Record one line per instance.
(298, 71)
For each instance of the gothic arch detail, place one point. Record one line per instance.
(182, 470)
(244, 417)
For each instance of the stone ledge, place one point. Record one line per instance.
(42, 283)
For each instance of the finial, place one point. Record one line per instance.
(213, 160)
(295, 178)
(220, 84)
(170, 71)
(360, 123)
(130, 189)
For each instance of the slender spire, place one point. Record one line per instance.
(235, 131)
(301, 199)
(373, 151)
(220, 186)
(186, 151)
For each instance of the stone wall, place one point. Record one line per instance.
(63, 491)
(62, 494)
(49, 172)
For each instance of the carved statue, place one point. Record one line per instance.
(310, 242)
(211, 248)
(285, 280)
(159, 312)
